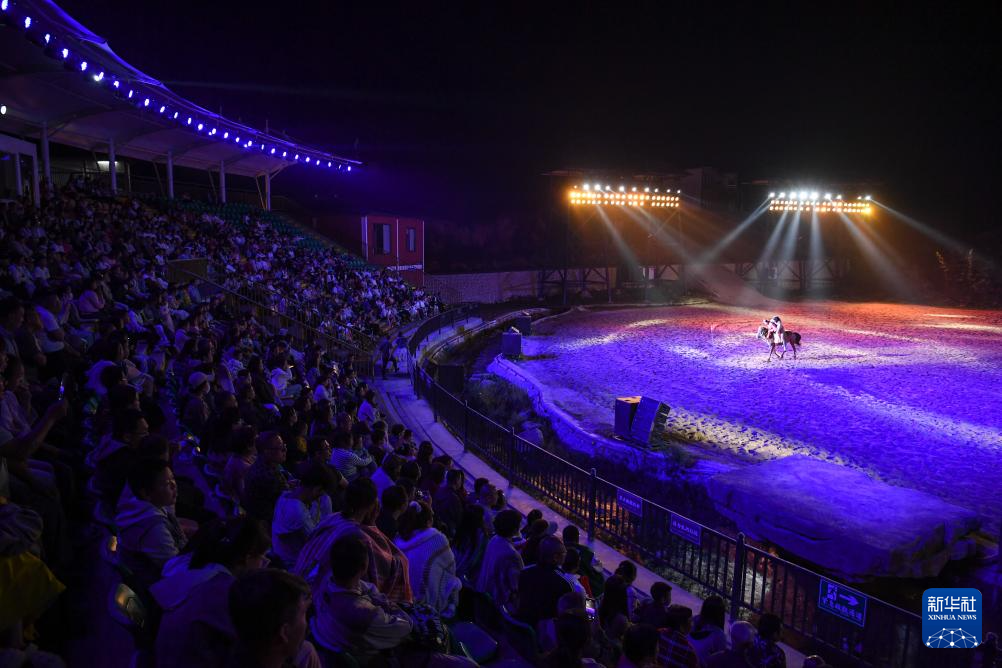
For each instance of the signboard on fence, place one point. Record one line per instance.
(631, 502)
(685, 528)
(841, 601)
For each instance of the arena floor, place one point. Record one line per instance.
(910, 394)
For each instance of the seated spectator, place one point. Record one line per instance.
(116, 454)
(766, 653)
(195, 629)
(530, 519)
(573, 635)
(569, 570)
(300, 510)
(613, 611)
(540, 586)
(424, 456)
(448, 502)
(502, 563)
(387, 472)
(354, 617)
(742, 641)
(393, 504)
(432, 479)
(367, 413)
(241, 459)
(674, 648)
(591, 567)
(539, 530)
(655, 610)
(266, 479)
(470, 542)
(346, 460)
(707, 636)
(387, 564)
(628, 571)
(431, 563)
(149, 533)
(196, 410)
(640, 647)
(268, 610)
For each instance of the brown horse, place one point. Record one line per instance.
(789, 338)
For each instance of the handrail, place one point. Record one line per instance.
(752, 579)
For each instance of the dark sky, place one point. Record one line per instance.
(457, 110)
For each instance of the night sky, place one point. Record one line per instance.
(457, 111)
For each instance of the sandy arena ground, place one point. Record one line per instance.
(910, 394)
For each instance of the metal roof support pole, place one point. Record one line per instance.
(222, 181)
(36, 191)
(46, 164)
(18, 182)
(170, 174)
(267, 191)
(112, 166)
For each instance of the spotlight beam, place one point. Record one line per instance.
(876, 258)
(710, 254)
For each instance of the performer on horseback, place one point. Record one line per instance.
(776, 331)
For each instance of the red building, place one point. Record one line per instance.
(381, 239)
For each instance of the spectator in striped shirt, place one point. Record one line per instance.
(348, 461)
(674, 649)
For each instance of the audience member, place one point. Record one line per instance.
(742, 641)
(540, 586)
(766, 653)
(707, 636)
(300, 510)
(265, 479)
(640, 647)
(674, 648)
(502, 562)
(654, 611)
(431, 562)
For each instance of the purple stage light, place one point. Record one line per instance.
(146, 102)
(4, 4)
(66, 53)
(99, 77)
(226, 135)
(200, 126)
(285, 153)
(131, 93)
(162, 108)
(27, 22)
(349, 168)
(175, 116)
(273, 151)
(189, 120)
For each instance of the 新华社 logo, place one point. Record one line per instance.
(951, 618)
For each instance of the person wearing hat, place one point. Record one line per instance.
(196, 410)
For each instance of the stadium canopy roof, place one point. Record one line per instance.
(58, 75)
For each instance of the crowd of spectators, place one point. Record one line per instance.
(264, 510)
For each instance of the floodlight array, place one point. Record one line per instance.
(597, 195)
(803, 200)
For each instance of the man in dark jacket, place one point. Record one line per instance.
(448, 502)
(266, 479)
(540, 586)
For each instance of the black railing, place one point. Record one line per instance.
(752, 579)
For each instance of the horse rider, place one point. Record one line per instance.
(776, 331)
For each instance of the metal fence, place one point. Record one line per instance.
(704, 560)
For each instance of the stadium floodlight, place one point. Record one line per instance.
(349, 168)
(146, 102)
(65, 52)
(27, 22)
(868, 198)
(803, 194)
(797, 203)
(200, 126)
(772, 195)
(285, 153)
(586, 187)
(621, 197)
(99, 77)
(3, 109)
(47, 38)
(4, 4)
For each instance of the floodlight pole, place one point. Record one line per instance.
(222, 181)
(46, 164)
(170, 174)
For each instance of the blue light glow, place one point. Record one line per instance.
(328, 163)
(226, 135)
(66, 53)
(83, 66)
(48, 38)
(131, 93)
(285, 153)
(349, 168)
(27, 22)
(307, 159)
(146, 102)
(99, 76)
(236, 140)
(189, 120)
(297, 156)
(174, 116)
(273, 151)
(4, 4)
(116, 83)
(200, 126)
(163, 108)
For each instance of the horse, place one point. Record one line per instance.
(791, 338)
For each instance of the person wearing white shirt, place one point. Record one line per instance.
(300, 510)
